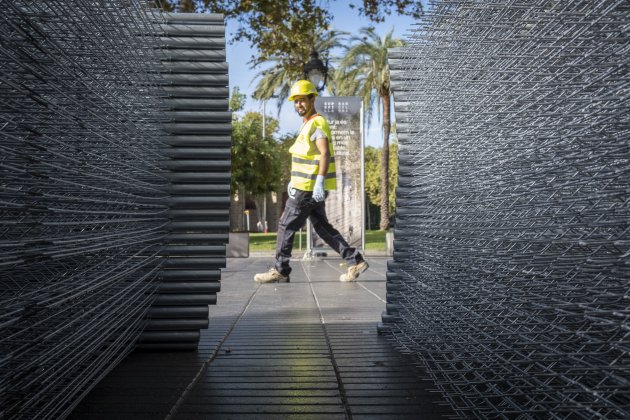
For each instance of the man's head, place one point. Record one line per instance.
(304, 105)
(303, 95)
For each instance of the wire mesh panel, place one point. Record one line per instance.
(86, 196)
(510, 277)
(197, 129)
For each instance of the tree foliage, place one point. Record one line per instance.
(373, 157)
(376, 10)
(284, 143)
(237, 100)
(277, 27)
(286, 28)
(364, 71)
(255, 160)
(276, 80)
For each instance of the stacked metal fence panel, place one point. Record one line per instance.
(197, 138)
(511, 266)
(90, 193)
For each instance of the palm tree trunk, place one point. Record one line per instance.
(384, 225)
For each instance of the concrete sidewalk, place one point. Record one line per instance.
(307, 349)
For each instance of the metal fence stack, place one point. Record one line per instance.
(197, 138)
(511, 266)
(91, 194)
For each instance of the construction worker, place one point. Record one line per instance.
(312, 175)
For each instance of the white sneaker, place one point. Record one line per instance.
(354, 271)
(271, 276)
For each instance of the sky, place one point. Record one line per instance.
(344, 18)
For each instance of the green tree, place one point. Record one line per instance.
(372, 174)
(373, 163)
(393, 177)
(364, 72)
(282, 31)
(237, 100)
(284, 143)
(255, 163)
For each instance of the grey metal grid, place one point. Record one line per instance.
(511, 269)
(88, 200)
(197, 137)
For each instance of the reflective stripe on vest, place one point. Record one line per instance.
(305, 157)
(310, 162)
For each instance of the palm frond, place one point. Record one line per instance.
(276, 81)
(365, 59)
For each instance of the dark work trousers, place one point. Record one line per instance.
(299, 207)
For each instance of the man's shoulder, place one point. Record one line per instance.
(319, 128)
(320, 121)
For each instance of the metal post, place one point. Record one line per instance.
(264, 134)
(308, 255)
(363, 203)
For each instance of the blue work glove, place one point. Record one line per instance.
(318, 191)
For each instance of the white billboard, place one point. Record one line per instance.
(344, 206)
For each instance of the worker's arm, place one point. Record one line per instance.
(324, 159)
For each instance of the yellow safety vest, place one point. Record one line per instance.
(305, 157)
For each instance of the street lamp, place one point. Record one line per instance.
(316, 71)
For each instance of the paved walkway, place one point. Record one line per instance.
(307, 349)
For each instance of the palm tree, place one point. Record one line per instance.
(364, 72)
(276, 81)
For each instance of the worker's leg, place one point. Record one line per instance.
(291, 221)
(331, 236)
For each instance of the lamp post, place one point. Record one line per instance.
(264, 134)
(316, 71)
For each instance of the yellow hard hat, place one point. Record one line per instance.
(302, 87)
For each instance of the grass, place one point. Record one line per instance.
(374, 241)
